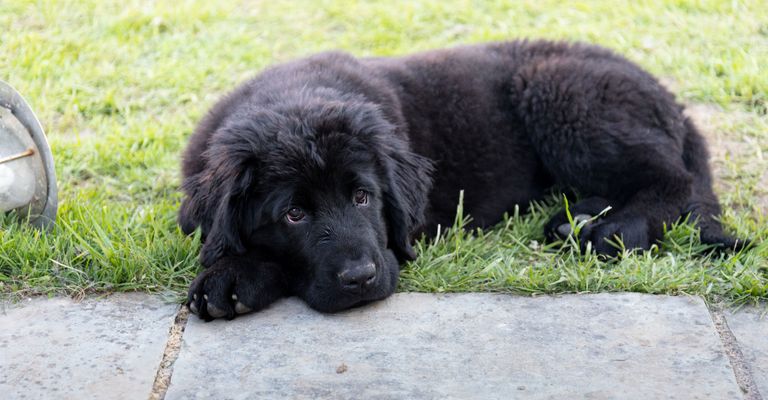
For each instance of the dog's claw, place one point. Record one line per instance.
(241, 308)
(215, 312)
(193, 306)
(565, 229)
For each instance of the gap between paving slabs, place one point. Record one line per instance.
(171, 353)
(740, 367)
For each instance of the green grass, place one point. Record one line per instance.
(119, 85)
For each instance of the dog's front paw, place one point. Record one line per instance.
(225, 290)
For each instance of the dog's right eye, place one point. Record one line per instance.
(294, 215)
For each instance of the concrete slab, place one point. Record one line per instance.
(750, 326)
(94, 349)
(463, 346)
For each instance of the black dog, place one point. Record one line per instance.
(312, 178)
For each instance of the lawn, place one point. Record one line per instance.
(119, 85)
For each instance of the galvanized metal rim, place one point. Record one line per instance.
(11, 99)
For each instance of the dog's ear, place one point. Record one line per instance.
(218, 196)
(405, 198)
(224, 235)
(214, 202)
(191, 214)
(228, 203)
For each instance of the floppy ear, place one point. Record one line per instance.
(224, 235)
(190, 213)
(405, 198)
(214, 202)
(227, 202)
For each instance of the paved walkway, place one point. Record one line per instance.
(412, 346)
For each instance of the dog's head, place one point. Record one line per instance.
(329, 190)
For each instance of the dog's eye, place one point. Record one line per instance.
(361, 197)
(294, 215)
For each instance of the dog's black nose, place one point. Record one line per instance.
(358, 276)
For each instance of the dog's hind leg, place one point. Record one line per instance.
(639, 221)
(608, 129)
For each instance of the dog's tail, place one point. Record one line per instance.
(703, 205)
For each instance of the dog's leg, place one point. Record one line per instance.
(235, 285)
(639, 222)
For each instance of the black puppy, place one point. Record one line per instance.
(312, 178)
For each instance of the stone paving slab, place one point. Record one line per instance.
(95, 349)
(750, 327)
(463, 346)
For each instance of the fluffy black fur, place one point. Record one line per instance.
(275, 174)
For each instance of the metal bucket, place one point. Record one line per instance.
(27, 175)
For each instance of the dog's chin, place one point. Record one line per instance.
(331, 300)
(335, 304)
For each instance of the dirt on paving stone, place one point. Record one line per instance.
(342, 368)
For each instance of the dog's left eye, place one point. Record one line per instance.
(360, 197)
